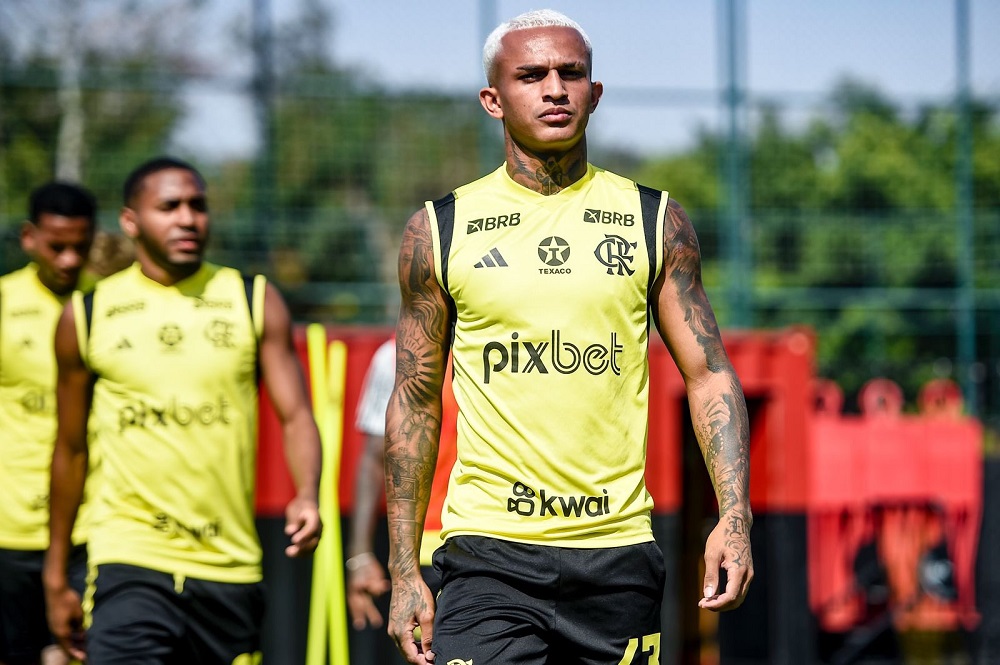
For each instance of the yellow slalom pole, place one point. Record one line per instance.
(319, 605)
(337, 593)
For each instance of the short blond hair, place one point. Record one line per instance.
(538, 18)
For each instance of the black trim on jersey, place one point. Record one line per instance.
(88, 311)
(248, 290)
(649, 201)
(444, 210)
(248, 283)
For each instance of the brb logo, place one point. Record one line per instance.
(594, 216)
(563, 357)
(525, 500)
(492, 223)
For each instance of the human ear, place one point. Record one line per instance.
(490, 99)
(596, 90)
(128, 223)
(28, 231)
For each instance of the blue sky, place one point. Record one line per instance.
(648, 50)
(905, 46)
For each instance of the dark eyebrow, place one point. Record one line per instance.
(572, 64)
(173, 203)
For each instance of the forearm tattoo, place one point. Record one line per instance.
(723, 432)
(413, 419)
(683, 256)
(721, 423)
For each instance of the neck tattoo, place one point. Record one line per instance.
(550, 176)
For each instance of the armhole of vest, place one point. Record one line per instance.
(254, 288)
(83, 316)
(442, 222)
(653, 203)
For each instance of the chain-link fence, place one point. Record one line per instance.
(873, 219)
(869, 217)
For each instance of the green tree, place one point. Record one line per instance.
(128, 103)
(351, 161)
(853, 219)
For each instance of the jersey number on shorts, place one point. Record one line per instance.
(650, 645)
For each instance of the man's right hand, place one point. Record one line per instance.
(65, 616)
(366, 581)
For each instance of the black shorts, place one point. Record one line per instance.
(507, 603)
(145, 617)
(24, 629)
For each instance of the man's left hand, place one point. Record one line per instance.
(728, 548)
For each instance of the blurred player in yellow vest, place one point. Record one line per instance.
(57, 238)
(164, 357)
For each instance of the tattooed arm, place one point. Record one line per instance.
(413, 425)
(687, 325)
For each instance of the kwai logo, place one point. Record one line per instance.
(563, 357)
(173, 526)
(525, 500)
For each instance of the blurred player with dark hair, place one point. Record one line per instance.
(164, 358)
(57, 238)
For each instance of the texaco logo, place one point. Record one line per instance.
(171, 335)
(553, 251)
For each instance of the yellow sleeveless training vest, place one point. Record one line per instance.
(29, 312)
(175, 414)
(550, 369)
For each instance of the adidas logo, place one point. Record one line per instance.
(492, 260)
(123, 344)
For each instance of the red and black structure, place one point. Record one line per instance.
(866, 525)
